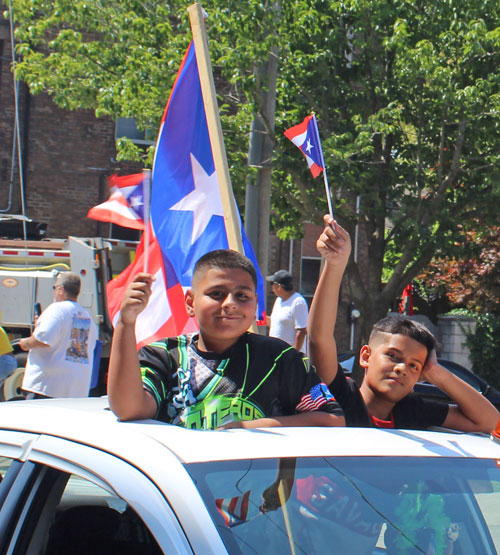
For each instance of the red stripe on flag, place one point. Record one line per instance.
(165, 314)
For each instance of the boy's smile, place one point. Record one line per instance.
(224, 302)
(393, 364)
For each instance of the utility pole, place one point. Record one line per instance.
(260, 152)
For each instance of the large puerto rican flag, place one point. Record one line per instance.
(187, 219)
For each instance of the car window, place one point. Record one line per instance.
(65, 513)
(4, 466)
(466, 375)
(357, 505)
(5, 484)
(89, 519)
(346, 360)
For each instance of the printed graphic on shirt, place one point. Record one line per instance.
(217, 411)
(255, 379)
(79, 340)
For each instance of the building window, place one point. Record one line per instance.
(127, 128)
(310, 268)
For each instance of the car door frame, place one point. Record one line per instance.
(106, 470)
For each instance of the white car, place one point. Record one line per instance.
(75, 480)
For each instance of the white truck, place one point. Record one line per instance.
(27, 273)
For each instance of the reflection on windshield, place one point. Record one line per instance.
(361, 505)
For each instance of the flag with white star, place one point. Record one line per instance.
(186, 208)
(186, 215)
(305, 136)
(125, 206)
(132, 188)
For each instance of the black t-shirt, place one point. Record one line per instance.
(411, 413)
(257, 377)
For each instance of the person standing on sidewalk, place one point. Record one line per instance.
(61, 348)
(288, 319)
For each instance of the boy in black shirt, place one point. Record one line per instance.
(222, 376)
(399, 353)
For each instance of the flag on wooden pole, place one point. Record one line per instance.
(191, 212)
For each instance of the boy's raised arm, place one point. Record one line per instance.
(127, 398)
(334, 245)
(472, 412)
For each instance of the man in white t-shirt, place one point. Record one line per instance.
(288, 319)
(61, 348)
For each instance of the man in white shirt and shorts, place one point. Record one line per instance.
(61, 347)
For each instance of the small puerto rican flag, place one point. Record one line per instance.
(305, 136)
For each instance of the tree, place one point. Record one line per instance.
(407, 96)
(471, 281)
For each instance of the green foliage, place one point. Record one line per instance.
(112, 57)
(485, 348)
(472, 278)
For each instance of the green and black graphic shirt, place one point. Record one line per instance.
(257, 377)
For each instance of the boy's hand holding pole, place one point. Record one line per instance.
(127, 397)
(334, 245)
(136, 298)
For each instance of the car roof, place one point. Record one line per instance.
(89, 421)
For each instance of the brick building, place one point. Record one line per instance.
(65, 157)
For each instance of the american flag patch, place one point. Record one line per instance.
(316, 398)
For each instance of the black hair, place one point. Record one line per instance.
(402, 325)
(225, 258)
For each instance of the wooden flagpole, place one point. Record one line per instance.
(231, 219)
(146, 193)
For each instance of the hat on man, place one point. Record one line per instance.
(281, 277)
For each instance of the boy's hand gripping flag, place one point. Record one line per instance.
(187, 220)
(305, 136)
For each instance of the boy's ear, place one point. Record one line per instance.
(364, 356)
(189, 300)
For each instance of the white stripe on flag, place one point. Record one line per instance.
(298, 140)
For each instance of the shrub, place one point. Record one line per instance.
(484, 345)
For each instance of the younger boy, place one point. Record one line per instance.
(399, 353)
(222, 376)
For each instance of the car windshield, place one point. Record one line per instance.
(356, 505)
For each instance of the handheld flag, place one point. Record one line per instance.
(234, 511)
(125, 206)
(305, 136)
(132, 188)
(165, 314)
